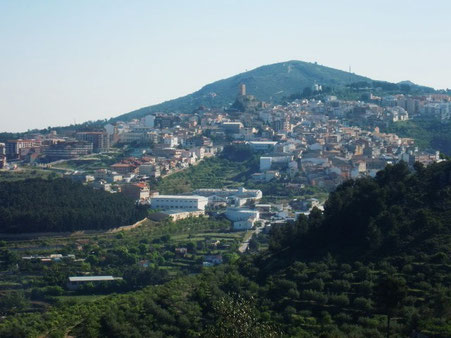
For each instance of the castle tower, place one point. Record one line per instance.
(242, 89)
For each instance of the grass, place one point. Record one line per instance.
(25, 173)
(78, 298)
(212, 172)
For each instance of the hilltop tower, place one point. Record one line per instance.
(242, 89)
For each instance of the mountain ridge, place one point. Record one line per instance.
(266, 83)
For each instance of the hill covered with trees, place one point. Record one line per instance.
(38, 205)
(376, 263)
(276, 83)
(428, 133)
(398, 212)
(267, 83)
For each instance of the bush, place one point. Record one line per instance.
(366, 288)
(343, 317)
(340, 285)
(363, 304)
(340, 300)
(315, 284)
(316, 296)
(53, 291)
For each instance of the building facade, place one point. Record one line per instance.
(174, 202)
(99, 139)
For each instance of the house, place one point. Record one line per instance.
(211, 260)
(136, 191)
(123, 168)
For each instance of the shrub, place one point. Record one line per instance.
(340, 300)
(363, 304)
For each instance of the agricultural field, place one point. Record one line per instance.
(32, 276)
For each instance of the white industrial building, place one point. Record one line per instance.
(243, 219)
(176, 202)
(230, 196)
(262, 145)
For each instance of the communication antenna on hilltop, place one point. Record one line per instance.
(350, 69)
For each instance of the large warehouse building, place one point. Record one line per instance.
(174, 202)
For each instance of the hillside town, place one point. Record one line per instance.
(316, 143)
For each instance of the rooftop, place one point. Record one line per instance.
(92, 278)
(179, 197)
(180, 212)
(263, 142)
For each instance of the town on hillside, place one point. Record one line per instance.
(304, 143)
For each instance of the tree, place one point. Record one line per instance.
(389, 293)
(237, 317)
(307, 92)
(13, 301)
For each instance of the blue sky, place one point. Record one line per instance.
(66, 61)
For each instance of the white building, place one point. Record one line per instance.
(230, 196)
(129, 137)
(175, 202)
(149, 121)
(262, 145)
(243, 219)
(275, 159)
(171, 141)
(241, 214)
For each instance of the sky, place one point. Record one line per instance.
(72, 61)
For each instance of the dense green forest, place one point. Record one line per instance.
(376, 263)
(396, 212)
(37, 205)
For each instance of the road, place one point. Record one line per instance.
(243, 247)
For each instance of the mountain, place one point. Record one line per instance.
(267, 83)
(407, 82)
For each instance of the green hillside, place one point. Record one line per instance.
(376, 263)
(37, 205)
(267, 83)
(428, 133)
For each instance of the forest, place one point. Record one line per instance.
(38, 205)
(375, 263)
